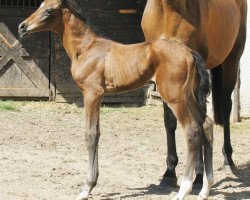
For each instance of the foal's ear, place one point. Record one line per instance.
(64, 2)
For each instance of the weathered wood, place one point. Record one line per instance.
(23, 71)
(23, 92)
(109, 4)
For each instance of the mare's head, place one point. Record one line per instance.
(47, 17)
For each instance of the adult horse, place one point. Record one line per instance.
(217, 30)
(102, 66)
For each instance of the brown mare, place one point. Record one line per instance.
(217, 30)
(102, 66)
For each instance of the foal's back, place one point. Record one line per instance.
(131, 66)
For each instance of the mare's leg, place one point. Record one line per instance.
(228, 74)
(169, 178)
(208, 157)
(230, 69)
(92, 102)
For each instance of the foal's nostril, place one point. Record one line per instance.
(22, 26)
(22, 29)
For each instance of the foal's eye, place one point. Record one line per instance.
(49, 12)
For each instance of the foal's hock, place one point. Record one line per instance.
(102, 66)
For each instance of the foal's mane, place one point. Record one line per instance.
(77, 7)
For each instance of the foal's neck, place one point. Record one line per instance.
(77, 35)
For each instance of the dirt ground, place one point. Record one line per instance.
(43, 156)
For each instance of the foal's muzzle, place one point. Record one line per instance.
(22, 29)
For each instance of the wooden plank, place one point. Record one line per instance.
(76, 99)
(52, 84)
(24, 67)
(14, 12)
(23, 92)
(2, 51)
(4, 61)
(109, 4)
(136, 93)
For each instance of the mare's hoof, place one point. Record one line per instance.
(228, 161)
(228, 168)
(168, 182)
(198, 182)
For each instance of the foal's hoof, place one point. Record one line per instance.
(177, 198)
(168, 182)
(198, 182)
(82, 197)
(201, 198)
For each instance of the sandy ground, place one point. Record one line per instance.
(43, 156)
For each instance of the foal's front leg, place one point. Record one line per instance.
(92, 102)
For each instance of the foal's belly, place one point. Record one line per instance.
(128, 67)
(126, 80)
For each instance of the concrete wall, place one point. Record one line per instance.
(245, 74)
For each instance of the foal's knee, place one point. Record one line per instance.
(193, 136)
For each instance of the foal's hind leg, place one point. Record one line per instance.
(169, 178)
(92, 101)
(208, 157)
(192, 134)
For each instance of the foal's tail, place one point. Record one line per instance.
(204, 86)
(203, 92)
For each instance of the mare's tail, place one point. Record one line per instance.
(217, 79)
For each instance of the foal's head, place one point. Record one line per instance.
(47, 17)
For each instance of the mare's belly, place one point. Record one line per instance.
(221, 30)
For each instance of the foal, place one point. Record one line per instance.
(102, 66)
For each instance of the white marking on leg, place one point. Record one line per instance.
(83, 195)
(208, 180)
(207, 185)
(191, 132)
(186, 188)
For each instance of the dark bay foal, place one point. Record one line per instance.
(102, 66)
